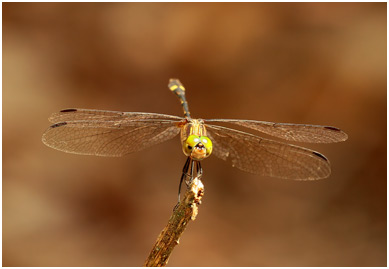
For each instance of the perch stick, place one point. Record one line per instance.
(185, 211)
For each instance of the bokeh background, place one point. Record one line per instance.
(317, 63)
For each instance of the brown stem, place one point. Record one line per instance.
(185, 211)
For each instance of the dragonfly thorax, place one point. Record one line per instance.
(191, 127)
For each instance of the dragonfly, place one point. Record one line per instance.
(114, 134)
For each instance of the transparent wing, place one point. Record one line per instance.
(77, 114)
(108, 138)
(292, 132)
(266, 157)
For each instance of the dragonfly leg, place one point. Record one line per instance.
(184, 174)
(199, 170)
(188, 173)
(190, 176)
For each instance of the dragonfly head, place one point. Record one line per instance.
(197, 147)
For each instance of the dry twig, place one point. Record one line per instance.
(186, 210)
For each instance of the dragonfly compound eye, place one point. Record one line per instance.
(190, 143)
(202, 141)
(207, 144)
(194, 146)
(197, 147)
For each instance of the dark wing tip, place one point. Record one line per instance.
(59, 124)
(320, 155)
(69, 110)
(332, 128)
(342, 135)
(45, 138)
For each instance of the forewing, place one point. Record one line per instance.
(292, 132)
(79, 114)
(266, 157)
(108, 138)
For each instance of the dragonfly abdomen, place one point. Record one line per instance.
(176, 86)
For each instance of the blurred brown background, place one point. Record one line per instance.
(317, 63)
